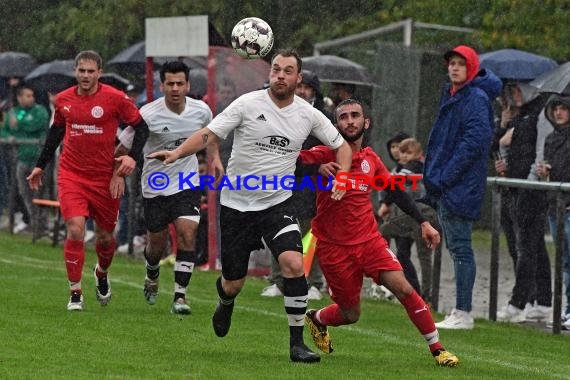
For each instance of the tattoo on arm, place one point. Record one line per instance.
(205, 138)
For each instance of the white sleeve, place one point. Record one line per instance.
(325, 131)
(127, 136)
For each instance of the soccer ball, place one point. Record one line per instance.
(252, 38)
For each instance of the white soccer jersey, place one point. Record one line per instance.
(267, 142)
(167, 131)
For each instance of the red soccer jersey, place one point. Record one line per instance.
(91, 123)
(350, 220)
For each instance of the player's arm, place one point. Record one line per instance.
(53, 139)
(128, 162)
(213, 154)
(344, 160)
(117, 185)
(195, 143)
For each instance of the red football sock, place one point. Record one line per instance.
(74, 256)
(420, 316)
(105, 255)
(330, 316)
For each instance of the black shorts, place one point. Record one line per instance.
(160, 211)
(243, 232)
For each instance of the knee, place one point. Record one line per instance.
(351, 315)
(402, 290)
(75, 231)
(291, 264)
(232, 288)
(105, 239)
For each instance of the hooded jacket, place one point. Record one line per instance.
(457, 152)
(557, 149)
(397, 138)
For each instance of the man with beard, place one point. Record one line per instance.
(270, 126)
(352, 247)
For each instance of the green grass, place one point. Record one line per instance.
(128, 339)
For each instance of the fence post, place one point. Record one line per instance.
(495, 231)
(557, 293)
(436, 273)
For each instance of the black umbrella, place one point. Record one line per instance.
(53, 76)
(115, 80)
(331, 68)
(133, 60)
(15, 64)
(557, 80)
(516, 64)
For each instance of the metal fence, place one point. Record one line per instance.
(559, 187)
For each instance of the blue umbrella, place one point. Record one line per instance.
(516, 64)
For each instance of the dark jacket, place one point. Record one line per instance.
(522, 151)
(557, 150)
(457, 152)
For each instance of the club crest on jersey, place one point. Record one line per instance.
(97, 112)
(365, 166)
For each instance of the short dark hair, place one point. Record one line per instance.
(352, 101)
(23, 87)
(288, 52)
(174, 67)
(91, 55)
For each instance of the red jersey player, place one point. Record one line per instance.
(352, 247)
(86, 119)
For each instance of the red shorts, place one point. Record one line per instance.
(77, 198)
(344, 267)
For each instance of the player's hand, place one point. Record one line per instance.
(166, 156)
(336, 193)
(126, 165)
(218, 170)
(329, 169)
(117, 186)
(430, 235)
(384, 211)
(35, 178)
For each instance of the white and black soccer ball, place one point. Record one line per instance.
(252, 38)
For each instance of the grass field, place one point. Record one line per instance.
(129, 339)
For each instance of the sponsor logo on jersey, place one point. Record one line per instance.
(275, 144)
(276, 141)
(78, 129)
(174, 144)
(165, 129)
(261, 117)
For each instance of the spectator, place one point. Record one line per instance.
(556, 167)
(28, 120)
(532, 292)
(401, 226)
(455, 172)
(510, 102)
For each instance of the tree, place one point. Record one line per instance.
(58, 29)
